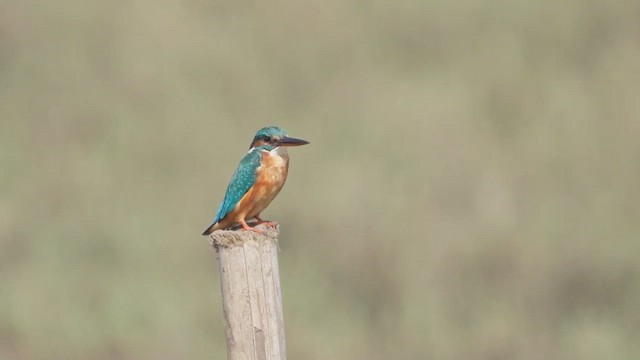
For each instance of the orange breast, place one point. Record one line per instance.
(272, 175)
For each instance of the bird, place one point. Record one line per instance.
(257, 180)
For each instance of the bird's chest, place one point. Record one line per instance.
(273, 169)
(271, 175)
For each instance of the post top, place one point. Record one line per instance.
(233, 238)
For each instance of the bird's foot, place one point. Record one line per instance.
(249, 228)
(268, 223)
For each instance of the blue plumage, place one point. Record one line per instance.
(266, 139)
(242, 180)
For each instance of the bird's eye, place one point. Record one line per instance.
(267, 139)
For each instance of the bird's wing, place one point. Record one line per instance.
(241, 182)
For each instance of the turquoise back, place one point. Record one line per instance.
(241, 181)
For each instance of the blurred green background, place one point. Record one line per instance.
(471, 190)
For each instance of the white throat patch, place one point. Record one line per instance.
(279, 151)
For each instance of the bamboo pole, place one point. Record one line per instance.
(251, 297)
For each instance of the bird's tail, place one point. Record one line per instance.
(209, 229)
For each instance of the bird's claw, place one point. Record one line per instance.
(267, 223)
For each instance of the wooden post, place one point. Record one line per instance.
(251, 298)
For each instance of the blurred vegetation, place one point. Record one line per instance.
(471, 189)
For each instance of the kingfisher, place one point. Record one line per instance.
(257, 180)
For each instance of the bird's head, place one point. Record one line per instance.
(274, 136)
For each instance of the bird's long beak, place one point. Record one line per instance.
(288, 141)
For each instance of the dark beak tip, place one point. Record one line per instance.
(293, 142)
